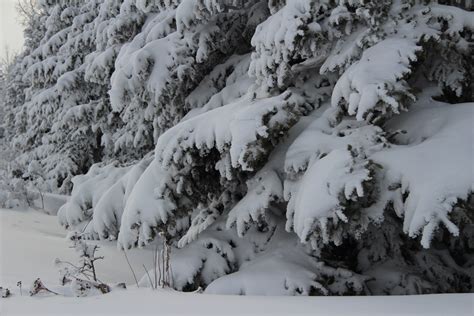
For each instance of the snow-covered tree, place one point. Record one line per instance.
(318, 147)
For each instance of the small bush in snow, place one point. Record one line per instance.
(4, 292)
(82, 277)
(39, 287)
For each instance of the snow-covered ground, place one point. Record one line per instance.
(137, 302)
(30, 241)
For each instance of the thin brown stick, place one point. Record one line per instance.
(48, 290)
(149, 278)
(130, 266)
(158, 258)
(171, 276)
(163, 269)
(155, 263)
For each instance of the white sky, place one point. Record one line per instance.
(11, 32)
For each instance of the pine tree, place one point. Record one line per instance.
(324, 139)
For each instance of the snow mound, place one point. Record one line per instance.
(433, 165)
(87, 192)
(107, 216)
(280, 40)
(234, 127)
(146, 208)
(286, 269)
(375, 83)
(337, 177)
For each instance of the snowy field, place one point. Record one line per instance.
(30, 241)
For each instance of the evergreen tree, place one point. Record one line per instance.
(319, 147)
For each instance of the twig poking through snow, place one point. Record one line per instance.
(131, 269)
(38, 286)
(19, 285)
(149, 278)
